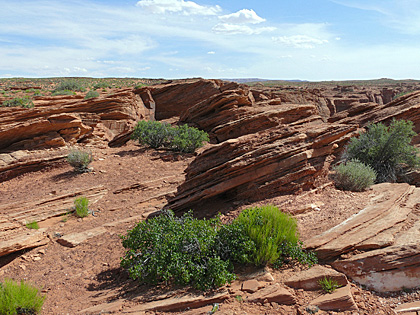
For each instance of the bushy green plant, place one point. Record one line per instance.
(72, 85)
(275, 236)
(161, 135)
(188, 139)
(329, 285)
(80, 160)
(81, 207)
(24, 102)
(175, 249)
(354, 175)
(32, 225)
(19, 298)
(91, 94)
(387, 150)
(63, 92)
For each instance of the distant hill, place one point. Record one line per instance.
(248, 80)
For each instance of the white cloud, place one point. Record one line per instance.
(300, 41)
(211, 52)
(232, 29)
(244, 16)
(177, 6)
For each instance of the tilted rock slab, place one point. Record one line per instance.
(387, 230)
(340, 300)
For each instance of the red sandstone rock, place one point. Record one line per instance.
(341, 300)
(309, 279)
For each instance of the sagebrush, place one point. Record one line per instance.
(386, 149)
(354, 175)
(71, 85)
(80, 160)
(91, 94)
(24, 102)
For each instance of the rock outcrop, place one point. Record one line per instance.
(378, 247)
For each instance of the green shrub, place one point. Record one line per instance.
(387, 150)
(80, 160)
(63, 92)
(32, 225)
(91, 94)
(81, 207)
(354, 175)
(188, 139)
(275, 236)
(162, 135)
(72, 85)
(171, 249)
(19, 298)
(24, 102)
(329, 285)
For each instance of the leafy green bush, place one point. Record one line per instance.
(329, 285)
(80, 160)
(32, 225)
(91, 94)
(354, 175)
(171, 249)
(161, 135)
(81, 207)
(72, 85)
(275, 236)
(19, 298)
(63, 92)
(24, 102)
(387, 150)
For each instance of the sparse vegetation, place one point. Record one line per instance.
(19, 298)
(80, 160)
(386, 150)
(161, 135)
(354, 175)
(329, 285)
(32, 225)
(91, 94)
(71, 85)
(24, 102)
(81, 207)
(63, 92)
(101, 85)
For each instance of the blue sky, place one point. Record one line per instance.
(301, 39)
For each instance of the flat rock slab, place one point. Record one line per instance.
(407, 308)
(251, 286)
(105, 308)
(374, 227)
(309, 279)
(179, 303)
(25, 240)
(273, 293)
(74, 239)
(341, 300)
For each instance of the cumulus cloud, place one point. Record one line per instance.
(300, 41)
(211, 52)
(244, 16)
(232, 29)
(177, 6)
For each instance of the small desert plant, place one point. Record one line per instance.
(32, 225)
(101, 85)
(72, 85)
(80, 160)
(24, 102)
(275, 236)
(387, 150)
(81, 207)
(63, 92)
(157, 135)
(329, 285)
(354, 175)
(19, 298)
(176, 249)
(91, 94)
